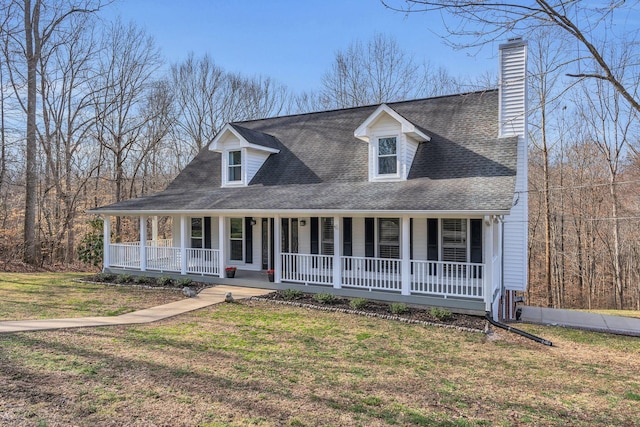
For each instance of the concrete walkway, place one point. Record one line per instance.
(205, 298)
(581, 320)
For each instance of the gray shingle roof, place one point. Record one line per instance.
(322, 166)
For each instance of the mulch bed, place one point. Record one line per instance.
(414, 314)
(146, 282)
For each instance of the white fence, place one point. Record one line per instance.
(161, 256)
(302, 268)
(203, 261)
(458, 279)
(447, 279)
(372, 273)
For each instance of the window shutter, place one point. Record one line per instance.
(347, 242)
(315, 246)
(476, 240)
(284, 233)
(207, 232)
(369, 237)
(432, 239)
(248, 241)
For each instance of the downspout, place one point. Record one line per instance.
(517, 331)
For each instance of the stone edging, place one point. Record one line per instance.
(368, 314)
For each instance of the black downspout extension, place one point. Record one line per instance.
(517, 331)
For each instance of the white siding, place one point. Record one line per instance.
(513, 121)
(515, 229)
(215, 242)
(420, 238)
(175, 231)
(304, 236)
(358, 236)
(513, 91)
(410, 151)
(254, 161)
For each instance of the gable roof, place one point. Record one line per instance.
(407, 127)
(323, 166)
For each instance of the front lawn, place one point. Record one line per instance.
(57, 295)
(258, 364)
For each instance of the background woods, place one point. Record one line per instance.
(91, 114)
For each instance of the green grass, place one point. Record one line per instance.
(257, 364)
(57, 295)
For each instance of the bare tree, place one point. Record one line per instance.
(372, 73)
(594, 28)
(40, 22)
(208, 97)
(130, 59)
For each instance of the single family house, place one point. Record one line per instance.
(421, 201)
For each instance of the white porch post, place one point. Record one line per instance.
(277, 249)
(143, 243)
(488, 258)
(183, 244)
(106, 242)
(337, 253)
(222, 240)
(406, 255)
(154, 228)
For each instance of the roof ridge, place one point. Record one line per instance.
(477, 92)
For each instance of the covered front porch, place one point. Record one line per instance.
(387, 256)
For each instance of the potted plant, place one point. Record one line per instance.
(230, 272)
(270, 275)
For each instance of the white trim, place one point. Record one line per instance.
(363, 131)
(305, 212)
(215, 144)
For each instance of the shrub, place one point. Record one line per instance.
(324, 298)
(398, 308)
(105, 277)
(164, 281)
(140, 280)
(91, 249)
(358, 303)
(123, 278)
(291, 294)
(440, 313)
(185, 281)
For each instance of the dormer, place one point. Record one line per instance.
(393, 142)
(244, 151)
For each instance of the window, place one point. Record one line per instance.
(235, 166)
(197, 228)
(235, 238)
(327, 235)
(389, 238)
(387, 156)
(454, 240)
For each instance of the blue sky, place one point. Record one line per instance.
(292, 41)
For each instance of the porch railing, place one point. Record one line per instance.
(372, 273)
(203, 261)
(125, 255)
(447, 278)
(302, 268)
(164, 257)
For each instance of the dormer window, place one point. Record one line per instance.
(243, 152)
(235, 166)
(393, 141)
(387, 156)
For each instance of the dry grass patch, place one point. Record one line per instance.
(57, 295)
(256, 364)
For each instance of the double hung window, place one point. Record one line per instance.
(389, 238)
(197, 233)
(387, 156)
(235, 166)
(235, 239)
